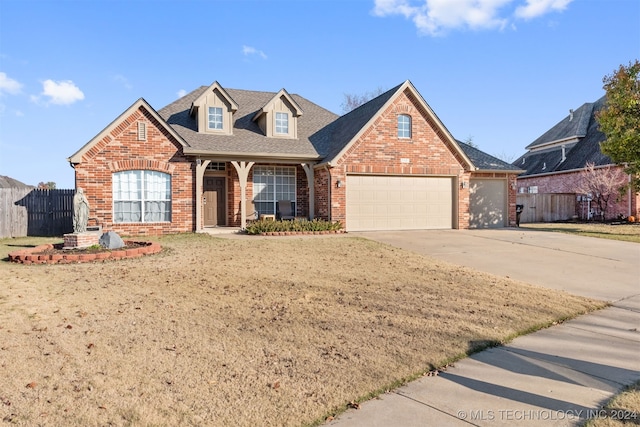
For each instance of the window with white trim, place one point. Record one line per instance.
(271, 184)
(141, 196)
(282, 123)
(215, 118)
(404, 126)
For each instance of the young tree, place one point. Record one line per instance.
(47, 185)
(620, 119)
(353, 101)
(602, 185)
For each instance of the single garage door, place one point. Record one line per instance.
(398, 202)
(487, 203)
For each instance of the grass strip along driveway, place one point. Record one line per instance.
(259, 331)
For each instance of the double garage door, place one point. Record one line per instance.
(399, 202)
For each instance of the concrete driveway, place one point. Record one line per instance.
(597, 268)
(558, 376)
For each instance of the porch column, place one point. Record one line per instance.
(308, 169)
(201, 166)
(243, 168)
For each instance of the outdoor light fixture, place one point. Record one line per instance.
(339, 183)
(464, 184)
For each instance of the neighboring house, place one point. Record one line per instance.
(213, 156)
(554, 161)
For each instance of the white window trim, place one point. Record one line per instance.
(410, 130)
(273, 175)
(209, 114)
(141, 200)
(286, 118)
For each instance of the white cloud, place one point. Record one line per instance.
(535, 8)
(435, 17)
(119, 78)
(181, 93)
(61, 93)
(9, 85)
(248, 50)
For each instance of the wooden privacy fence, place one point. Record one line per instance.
(33, 212)
(547, 207)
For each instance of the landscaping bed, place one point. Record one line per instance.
(56, 254)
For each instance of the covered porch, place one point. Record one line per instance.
(229, 192)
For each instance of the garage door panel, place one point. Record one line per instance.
(398, 203)
(487, 203)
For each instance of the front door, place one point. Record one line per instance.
(214, 199)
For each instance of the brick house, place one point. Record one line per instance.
(216, 155)
(555, 160)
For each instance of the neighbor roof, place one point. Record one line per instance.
(8, 182)
(576, 153)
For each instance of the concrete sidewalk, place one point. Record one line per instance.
(559, 376)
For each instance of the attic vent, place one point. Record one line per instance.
(570, 114)
(142, 131)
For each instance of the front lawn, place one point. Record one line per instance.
(629, 232)
(243, 332)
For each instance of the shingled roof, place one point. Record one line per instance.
(247, 136)
(579, 136)
(8, 182)
(486, 162)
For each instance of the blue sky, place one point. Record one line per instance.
(499, 71)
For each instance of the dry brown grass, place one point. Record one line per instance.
(625, 232)
(257, 331)
(622, 410)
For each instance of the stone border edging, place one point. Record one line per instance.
(31, 255)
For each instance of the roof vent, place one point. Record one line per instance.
(570, 114)
(523, 160)
(544, 165)
(564, 154)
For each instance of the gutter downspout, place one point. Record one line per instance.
(329, 189)
(629, 197)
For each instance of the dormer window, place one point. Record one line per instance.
(215, 118)
(213, 111)
(282, 123)
(278, 118)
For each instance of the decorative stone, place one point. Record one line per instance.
(111, 240)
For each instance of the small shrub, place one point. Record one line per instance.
(265, 226)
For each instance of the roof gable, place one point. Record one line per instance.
(570, 153)
(219, 91)
(114, 125)
(286, 99)
(348, 128)
(569, 129)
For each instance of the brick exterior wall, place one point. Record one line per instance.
(379, 151)
(120, 150)
(567, 183)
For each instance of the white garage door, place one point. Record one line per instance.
(398, 203)
(487, 203)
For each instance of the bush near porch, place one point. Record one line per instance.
(297, 225)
